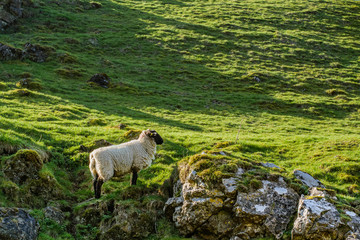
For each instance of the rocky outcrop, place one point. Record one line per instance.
(11, 10)
(225, 212)
(252, 203)
(17, 224)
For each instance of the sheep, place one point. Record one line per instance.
(118, 160)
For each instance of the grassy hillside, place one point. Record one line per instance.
(281, 76)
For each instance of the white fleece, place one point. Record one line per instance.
(118, 160)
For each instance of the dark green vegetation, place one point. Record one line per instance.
(282, 75)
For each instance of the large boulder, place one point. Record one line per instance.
(17, 224)
(318, 218)
(24, 165)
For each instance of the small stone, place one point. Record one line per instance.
(270, 165)
(54, 214)
(222, 153)
(239, 173)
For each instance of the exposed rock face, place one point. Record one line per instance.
(317, 218)
(268, 209)
(224, 213)
(11, 10)
(101, 79)
(10, 53)
(25, 165)
(307, 179)
(17, 224)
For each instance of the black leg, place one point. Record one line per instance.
(98, 188)
(94, 184)
(133, 177)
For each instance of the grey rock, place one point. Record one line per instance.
(268, 209)
(17, 224)
(239, 172)
(230, 185)
(314, 191)
(307, 179)
(318, 219)
(354, 225)
(270, 165)
(54, 214)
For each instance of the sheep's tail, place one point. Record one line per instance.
(92, 166)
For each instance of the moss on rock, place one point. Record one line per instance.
(24, 165)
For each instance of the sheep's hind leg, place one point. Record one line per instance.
(98, 188)
(95, 183)
(134, 177)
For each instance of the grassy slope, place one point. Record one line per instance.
(187, 69)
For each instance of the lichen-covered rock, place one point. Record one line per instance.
(317, 218)
(17, 224)
(268, 209)
(354, 224)
(222, 212)
(307, 179)
(25, 165)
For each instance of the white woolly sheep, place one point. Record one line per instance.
(118, 160)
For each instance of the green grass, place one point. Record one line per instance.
(282, 76)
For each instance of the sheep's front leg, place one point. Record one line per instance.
(133, 177)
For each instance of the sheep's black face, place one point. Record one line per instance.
(158, 139)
